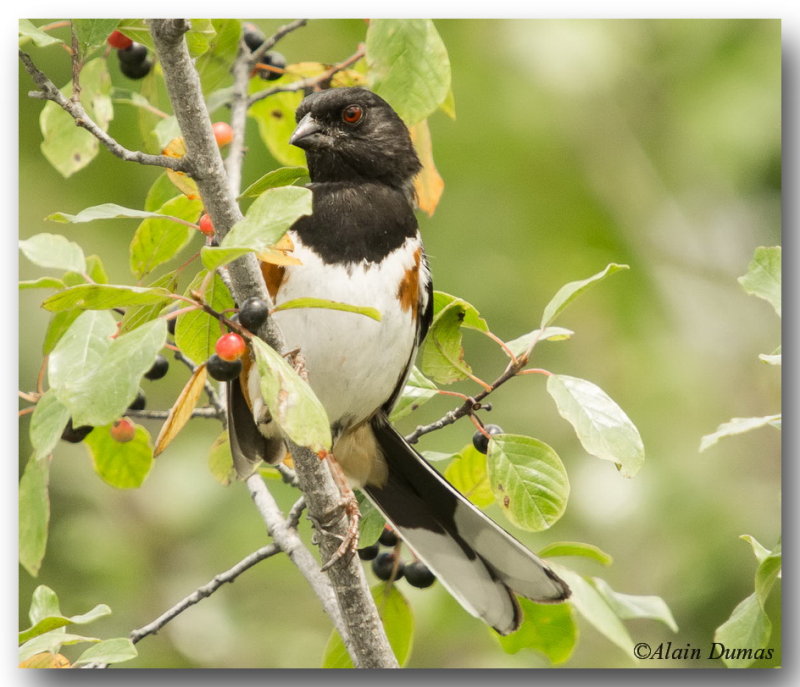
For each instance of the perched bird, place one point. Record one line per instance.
(361, 246)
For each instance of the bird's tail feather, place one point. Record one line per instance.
(476, 560)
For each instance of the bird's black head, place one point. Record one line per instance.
(353, 134)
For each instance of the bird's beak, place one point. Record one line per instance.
(306, 127)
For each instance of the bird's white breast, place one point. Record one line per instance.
(353, 362)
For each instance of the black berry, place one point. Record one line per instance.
(481, 442)
(384, 565)
(273, 59)
(75, 435)
(136, 53)
(136, 70)
(139, 402)
(253, 37)
(223, 370)
(171, 325)
(388, 537)
(368, 553)
(418, 574)
(253, 313)
(159, 369)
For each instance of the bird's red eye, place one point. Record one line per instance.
(352, 114)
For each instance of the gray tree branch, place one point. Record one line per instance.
(49, 91)
(361, 630)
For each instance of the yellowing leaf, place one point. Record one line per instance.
(428, 184)
(177, 148)
(181, 411)
(45, 659)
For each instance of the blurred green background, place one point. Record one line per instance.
(577, 143)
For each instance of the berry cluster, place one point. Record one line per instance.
(481, 442)
(272, 64)
(387, 565)
(226, 363)
(134, 61)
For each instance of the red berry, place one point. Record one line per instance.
(230, 347)
(223, 133)
(206, 225)
(123, 430)
(119, 41)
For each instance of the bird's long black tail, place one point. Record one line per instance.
(476, 560)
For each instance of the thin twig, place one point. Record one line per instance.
(204, 591)
(311, 81)
(270, 42)
(208, 412)
(49, 91)
(473, 403)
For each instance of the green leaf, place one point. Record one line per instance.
(104, 297)
(418, 389)
(267, 219)
(95, 270)
(569, 292)
(737, 425)
(594, 608)
(50, 641)
(54, 251)
(104, 211)
(759, 551)
(41, 39)
(42, 283)
(408, 66)
(122, 465)
(199, 36)
(575, 548)
(161, 191)
(160, 238)
(528, 480)
(54, 619)
(398, 621)
(34, 514)
(58, 325)
(603, 428)
(44, 603)
(763, 277)
(468, 474)
(222, 42)
(329, 305)
(137, 315)
(105, 376)
(136, 30)
(548, 628)
(114, 650)
(290, 400)
(67, 147)
(442, 356)
(371, 524)
(81, 348)
(769, 569)
(220, 460)
(283, 176)
(275, 119)
(771, 358)
(471, 317)
(92, 33)
(527, 341)
(630, 607)
(748, 627)
(48, 421)
(196, 332)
